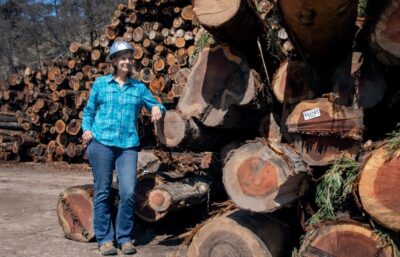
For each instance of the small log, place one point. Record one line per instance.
(264, 176)
(384, 38)
(343, 239)
(77, 48)
(60, 126)
(241, 234)
(179, 194)
(146, 75)
(8, 117)
(293, 82)
(74, 127)
(223, 98)
(378, 188)
(12, 125)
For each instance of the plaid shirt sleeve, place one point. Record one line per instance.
(90, 109)
(149, 101)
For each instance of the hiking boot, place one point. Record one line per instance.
(128, 248)
(107, 249)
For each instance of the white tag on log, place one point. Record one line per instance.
(311, 114)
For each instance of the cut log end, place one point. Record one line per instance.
(343, 240)
(75, 210)
(379, 189)
(159, 200)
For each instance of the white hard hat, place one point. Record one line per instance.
(119, 46)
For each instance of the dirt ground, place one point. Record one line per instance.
(28, 219)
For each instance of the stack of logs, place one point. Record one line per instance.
(41, 110)
(263, 139)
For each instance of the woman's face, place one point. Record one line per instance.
(123, 62)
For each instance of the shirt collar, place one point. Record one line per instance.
(131, 81)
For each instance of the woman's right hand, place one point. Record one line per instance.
(87, 136)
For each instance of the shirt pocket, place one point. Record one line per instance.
(132, 99)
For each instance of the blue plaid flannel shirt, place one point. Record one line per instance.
(111, 112)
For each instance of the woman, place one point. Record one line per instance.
(109, 126)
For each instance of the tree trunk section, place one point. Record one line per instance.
(180, 194)
(240, 234)
(293, 82)
(345, 239)
(74, 211)
(322, 116)
(231, 97)
(322, 30)
(378, 188)
(225, 18)
(263, 177)
(385, 39)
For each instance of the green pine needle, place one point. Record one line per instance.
(334, 188)
(385, 240)
(393, 142)
(206, 39)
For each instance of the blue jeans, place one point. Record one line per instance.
(103, 160)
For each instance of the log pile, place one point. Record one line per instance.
(41, 110)
(277, 106)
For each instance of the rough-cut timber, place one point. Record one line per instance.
(240, 234)
(359, 81)
(322, 116)
(263, 177)
(74, 211)
(293, 82)
(379, 188)
(222, 91)
(323, 31)
(233, 21)
(385, 39)
(180, 194)
(324, 150)
(345, 239)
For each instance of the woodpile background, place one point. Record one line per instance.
(289, 109)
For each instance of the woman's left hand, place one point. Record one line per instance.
(155, 113)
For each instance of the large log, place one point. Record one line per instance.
(378, 187)
(225, 18)
(323, 116)
(358, 80)
(293, 82)
(343, 239)
(324, 150)
(240, 234)
(74, 211)
(264, 176)
(176, 132)
(229, 97)
(323, 31)
(385, 41)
